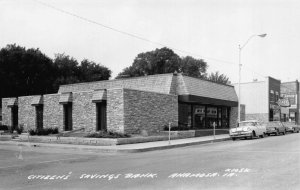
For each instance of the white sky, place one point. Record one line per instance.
(207, 29)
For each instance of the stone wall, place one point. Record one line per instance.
(233, 118)
(6, 112)
(115, 110)
(53, 112)
(84, 111)
(26, 113)
(148, 111)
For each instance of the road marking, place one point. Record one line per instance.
(44, 162)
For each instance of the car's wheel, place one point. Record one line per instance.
(283, 132)
(263, 135)
(233, 138)
(276, 133)
(252, 135)
(268, 134)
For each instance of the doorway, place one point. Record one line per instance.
(14, 117)
(68, 117)
(101, 116)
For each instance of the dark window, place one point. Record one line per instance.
(68, 117)
(101, 116)
(14, 117)
(184, 115)
(39, 116)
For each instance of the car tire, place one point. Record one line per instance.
(276, 133)
(252, 135)
(263, 135)
(283, 133)
(233, 138)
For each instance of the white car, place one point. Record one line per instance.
(250, 128)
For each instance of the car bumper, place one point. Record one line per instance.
(269, 131)
(240, 134)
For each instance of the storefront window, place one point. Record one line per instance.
(185, 117)
(199, 117)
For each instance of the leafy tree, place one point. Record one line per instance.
(218, 78)
(159, 61)
(24, 72)
(193, 67)
(90, 71)
(164, 60)
(67, 70)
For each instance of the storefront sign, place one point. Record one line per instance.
(291, 97)
(284, 102)
(274, 107)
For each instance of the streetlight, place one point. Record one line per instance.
(240, 66)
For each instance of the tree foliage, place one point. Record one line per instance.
(29, 71)
(218, 78)
(24, 72)
(164, 60)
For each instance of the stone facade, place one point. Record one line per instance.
(115, 110)
(233, 117)
(53, 112)
(84, 111)
(6, 112)
(26, 112)
(133, 105)
(149, 111)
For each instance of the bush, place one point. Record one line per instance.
(103, 134)
(43, 131)
(4, 127)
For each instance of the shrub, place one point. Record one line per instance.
(4, 127)
(104, 134)
(43, 131)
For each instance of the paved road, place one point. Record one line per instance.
(269, 163)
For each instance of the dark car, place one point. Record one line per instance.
(275, 127)
(293, 128)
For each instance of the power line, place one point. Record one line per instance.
(129, 34)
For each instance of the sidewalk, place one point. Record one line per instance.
(127, 148)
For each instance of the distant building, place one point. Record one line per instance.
(260, 99)
(290, 92)
(128, 105)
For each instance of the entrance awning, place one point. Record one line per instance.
(65, 98)
(205, 100)
(99, 95)
(37, 100)
(12, 102)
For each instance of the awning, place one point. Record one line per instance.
(65, 98)
(12, 102)
(99, 95)
(37, 100)
(205, 100)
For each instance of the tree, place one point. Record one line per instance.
(218, 78)
(193, 67)
(24, 71)
(90, 71)
(164, 60)
(67, 70)
(159, 61)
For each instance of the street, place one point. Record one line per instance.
(268, 163)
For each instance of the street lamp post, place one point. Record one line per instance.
(240, 67)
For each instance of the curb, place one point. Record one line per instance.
(114, 149)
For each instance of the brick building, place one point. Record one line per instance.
(260, 99)
(290, 91)
(127, 105)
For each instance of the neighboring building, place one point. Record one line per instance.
(128, 105)
(260, 99)
(290, 92)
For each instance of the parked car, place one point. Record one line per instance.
(275, 127)
(250, 128)
(292, 128)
